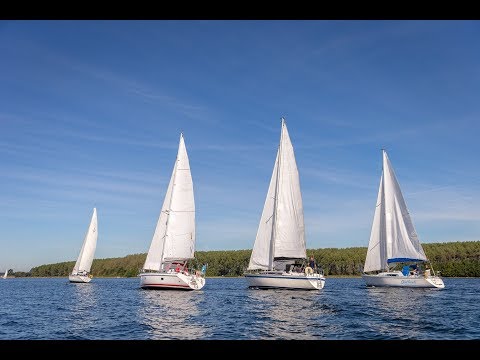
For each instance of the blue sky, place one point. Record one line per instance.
(91, 113)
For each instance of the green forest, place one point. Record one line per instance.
(452, 259)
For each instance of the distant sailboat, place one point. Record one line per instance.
(173, 243)
(394, 241)
(279, 252)
(6, 274)
(81, 270)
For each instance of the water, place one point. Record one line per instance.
(225, 309)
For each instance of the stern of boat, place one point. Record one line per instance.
(194, 281)
(318, 282)
(436, 282)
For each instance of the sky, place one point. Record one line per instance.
(91, 114)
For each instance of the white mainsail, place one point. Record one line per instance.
(5, 275)
(393, 237)
(85, 258)
(281, 232)
(174, 237)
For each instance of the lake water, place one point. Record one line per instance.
(225, 309)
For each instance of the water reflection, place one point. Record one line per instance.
(82, 310)
(403, 307)
(284, 314)
(171, 314)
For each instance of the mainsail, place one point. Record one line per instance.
(174, 237)
(393, 237)
(85, 258)
(281, 232)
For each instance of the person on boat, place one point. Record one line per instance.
(427, 271)
(312, 266)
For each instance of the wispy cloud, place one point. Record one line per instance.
(14, 148)
(342, 177)
(138, 88)
(58, 134)
(442, 207)
(269, 128)
(124, 83)
(102, 182)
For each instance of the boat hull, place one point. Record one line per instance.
(386, 280)
(294, 281)
(171, 281)
(79, 278)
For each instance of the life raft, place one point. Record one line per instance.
(308, 270)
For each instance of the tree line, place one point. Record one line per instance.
(452, 259)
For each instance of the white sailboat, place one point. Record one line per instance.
(173, 243)
(6, 274)
(394, 241)
(81, 270)
(279, 253)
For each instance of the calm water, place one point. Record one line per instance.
(111, 309)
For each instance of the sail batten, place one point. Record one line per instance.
(393, 237)
(281, 231)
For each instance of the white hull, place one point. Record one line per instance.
(171, 280)
(295, 281)
(394, 279)
(79, 278)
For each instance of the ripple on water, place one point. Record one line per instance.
(228, 309)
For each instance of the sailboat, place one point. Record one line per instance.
(279, 252)
(173, 243)
(394, 242)
(81, 270)
(6, 274)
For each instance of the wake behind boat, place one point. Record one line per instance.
(394, 242)
(279, 253)
(173, 243)
(81, 270)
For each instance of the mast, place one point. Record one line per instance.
(275, 207)
(170, 203)
(383, 231)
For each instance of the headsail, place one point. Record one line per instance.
(174, 236)
(393, 237)
(85, 258)
(281, 232)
